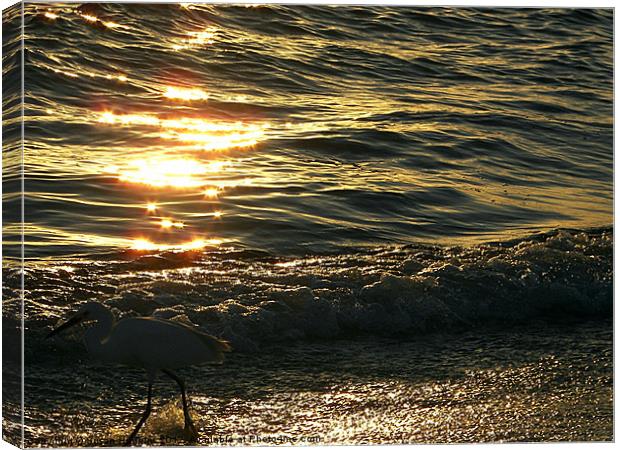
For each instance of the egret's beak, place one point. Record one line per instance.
(68, 324)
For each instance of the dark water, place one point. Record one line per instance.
(377, 190)
(313, 127)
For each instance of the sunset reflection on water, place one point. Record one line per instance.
(185, 94)
(172, 169)
(196, 39)
(196, 244)
(204, 134)
(167, 172)
(194, 112)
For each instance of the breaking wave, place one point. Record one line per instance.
(253, 298)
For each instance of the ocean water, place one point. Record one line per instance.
(384, 210)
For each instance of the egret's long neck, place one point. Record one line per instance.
(95, 336)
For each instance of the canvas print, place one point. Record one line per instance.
(264, 224)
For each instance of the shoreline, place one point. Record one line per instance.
(525, 384)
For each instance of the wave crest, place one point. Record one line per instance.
(253, 299)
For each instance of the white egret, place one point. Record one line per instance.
(150, 343)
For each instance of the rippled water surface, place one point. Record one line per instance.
(399, 217)
(299, 128)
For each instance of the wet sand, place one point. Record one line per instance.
(537, 383)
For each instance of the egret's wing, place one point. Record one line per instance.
(218, 346)
(158, 343)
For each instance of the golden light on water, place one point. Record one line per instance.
(96, 20)
(66, 72)
(167, 172)
(200, 125)
(111, 169)
(184, 123)
(218, 166)
(167, 224)
(196, 38)
(89, 18)
(196, 244)
(171, 173)
(163, 170)
(187, 94)
(216, 136)
(112, 24)
(143, 244)
(211, 192)
(223, 184)
(202, 37)
(202, 134)
(212, 142)
(129, 119)
(121, 78)
(159, 98)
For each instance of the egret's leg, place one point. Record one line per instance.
(189, 425)
(145, 416)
